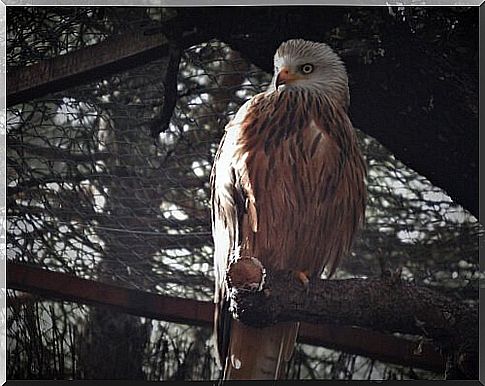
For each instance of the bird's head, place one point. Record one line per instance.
(306, 65)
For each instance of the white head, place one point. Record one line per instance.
(312, 66)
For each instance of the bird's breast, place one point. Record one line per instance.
(292, 183)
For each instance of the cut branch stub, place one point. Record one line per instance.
(246, 273)
(250, 301)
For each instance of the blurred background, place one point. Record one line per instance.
(107, 172)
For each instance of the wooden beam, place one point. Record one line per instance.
(67, 287)
(56, 285)
(118, 53)
(372, 344)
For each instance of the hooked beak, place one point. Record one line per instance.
(285, 77)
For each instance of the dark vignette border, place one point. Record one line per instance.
(480, 381)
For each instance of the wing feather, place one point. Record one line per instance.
(231, 198)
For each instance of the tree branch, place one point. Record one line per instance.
(57, 154)
(161, 122)
(261, 298)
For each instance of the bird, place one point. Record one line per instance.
(288, 188)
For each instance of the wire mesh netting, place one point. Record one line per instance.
(91, 193)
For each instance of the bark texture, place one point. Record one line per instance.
(385, 304)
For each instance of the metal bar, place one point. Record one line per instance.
(372, 344)
(113, 55)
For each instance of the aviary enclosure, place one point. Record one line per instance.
(114, 116)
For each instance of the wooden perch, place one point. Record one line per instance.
(260, 298)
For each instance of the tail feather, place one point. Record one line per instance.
(259, 353)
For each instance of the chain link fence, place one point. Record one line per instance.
(92, 193)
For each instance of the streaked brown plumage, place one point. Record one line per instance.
(288, 188)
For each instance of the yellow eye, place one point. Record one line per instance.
(307, 68)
